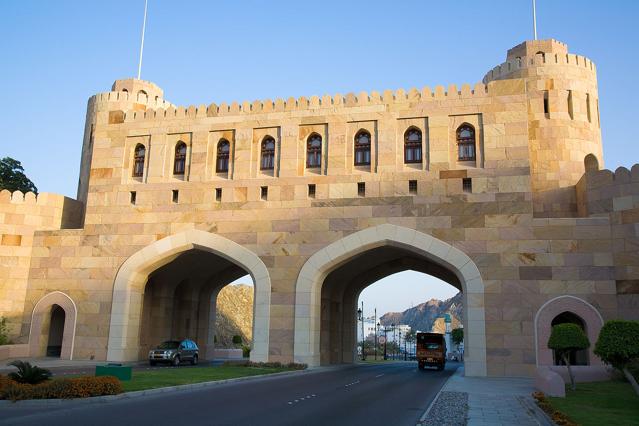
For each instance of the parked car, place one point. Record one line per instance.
(174, 352)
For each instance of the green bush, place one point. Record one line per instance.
(618, 345)
(457, 335)
(565, 339)
(4, 331)
(246, 351)
(237, 340)
(79, 387)
(28, 373)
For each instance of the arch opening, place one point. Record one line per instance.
(400, 305)
(169, 290)
(330, 282)
(180, 301)
(56, 331)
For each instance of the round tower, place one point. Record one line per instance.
(110, 108)
(563, 119)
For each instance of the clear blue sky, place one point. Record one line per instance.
(58, 53)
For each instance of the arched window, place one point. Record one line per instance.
(466, 142)
(142, 92)
(413, 146)
(268, 154)
(180, 158)
(222, 162)
(576, 357)
(362, 148)
(138, 160)
(313, 151)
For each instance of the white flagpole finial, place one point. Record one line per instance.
(142, 42)
(534, 6)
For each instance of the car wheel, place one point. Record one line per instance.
(421, 366)
(176, 361)
(152, 363)
(194, 360)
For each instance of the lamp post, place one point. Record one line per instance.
(360, 316)
(399, 344)
(385, 341)
(394, 339)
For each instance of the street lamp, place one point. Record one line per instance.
(376, 334)
(360, 316)
(399, 345)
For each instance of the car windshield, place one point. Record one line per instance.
(169, 345)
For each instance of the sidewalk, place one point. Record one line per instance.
(497, 401)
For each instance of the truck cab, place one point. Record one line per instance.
(431, 350)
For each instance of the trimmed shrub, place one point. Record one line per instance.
(27, 373)
(79, 387)
(565, 339)
(277, 364)
(4, 332)
(246, 351)
(618, 345)
(237, 340)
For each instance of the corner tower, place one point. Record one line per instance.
(109, 108)
(563, 119)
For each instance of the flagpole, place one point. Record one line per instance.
(534, 19)
(142, 42)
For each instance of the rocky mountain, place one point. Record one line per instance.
(425, 316)
(234, 315)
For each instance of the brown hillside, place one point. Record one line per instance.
(234, 315)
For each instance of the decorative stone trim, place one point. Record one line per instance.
(38, 317)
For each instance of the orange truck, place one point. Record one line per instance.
(431, 350)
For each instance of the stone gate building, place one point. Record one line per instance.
(496, 189)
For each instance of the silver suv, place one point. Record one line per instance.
(174, 352)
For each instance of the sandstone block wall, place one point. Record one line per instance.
(21, 215)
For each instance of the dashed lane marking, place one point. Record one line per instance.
(303, 398)
(379, 375)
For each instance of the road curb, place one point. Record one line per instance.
(432, 403)
(137, 394)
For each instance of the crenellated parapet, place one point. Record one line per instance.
(506, 69)
(604, 191)
(162, 109)
(24, 213)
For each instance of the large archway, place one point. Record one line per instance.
(53, 324)
(169, 288)
(330, 281)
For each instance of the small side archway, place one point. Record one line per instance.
(40, 323)
(131, 279)
(591, 318)
(308, 290)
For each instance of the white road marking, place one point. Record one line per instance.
(379, 375)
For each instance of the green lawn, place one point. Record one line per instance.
(600, 403)
(171, 376)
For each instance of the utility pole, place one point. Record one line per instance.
(376, 331)
(363, 335)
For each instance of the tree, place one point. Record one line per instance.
(618, 345)
(457, 335)
(565, 339)
(12, 176)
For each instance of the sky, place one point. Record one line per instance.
(56, 54)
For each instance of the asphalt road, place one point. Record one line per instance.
(374, 394)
